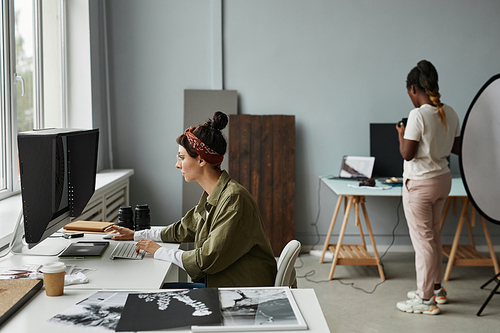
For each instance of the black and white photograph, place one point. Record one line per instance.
(163, 310)
(254, 309)
(101, 310)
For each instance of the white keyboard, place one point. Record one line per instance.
(126, 251)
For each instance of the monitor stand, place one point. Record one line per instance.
(48, 247)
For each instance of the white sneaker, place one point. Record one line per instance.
(440, 295)
(418, 305)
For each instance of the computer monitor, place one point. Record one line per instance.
(58, 171)
(384, 146)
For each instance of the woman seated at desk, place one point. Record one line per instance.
(232, 248)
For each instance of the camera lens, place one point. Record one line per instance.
(142, 219)
(126, 217)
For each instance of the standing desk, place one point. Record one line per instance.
(465, 255)
(355, 197)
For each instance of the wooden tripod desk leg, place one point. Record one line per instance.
(341, 237)
(456, 240)
(330, 230)
(490, 246)
(488, 240)
(357, 201)
(470, 225)
(375, 252)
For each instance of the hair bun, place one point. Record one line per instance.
(219, 120)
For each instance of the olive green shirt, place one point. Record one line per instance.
(232, 248)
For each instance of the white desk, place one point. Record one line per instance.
(147, 273)
(32, 316)
(355, 196)
(458, 255)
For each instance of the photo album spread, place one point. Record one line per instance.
(201, 310)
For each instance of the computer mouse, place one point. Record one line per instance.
(109, 236)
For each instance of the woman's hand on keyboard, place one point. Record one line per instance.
(147, 245)
(122, 233)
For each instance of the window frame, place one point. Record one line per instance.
(8, 115)
(8, 98)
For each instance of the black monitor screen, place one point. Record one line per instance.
(58, 171)
(384, 146)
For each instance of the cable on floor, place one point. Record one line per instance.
(315, 224)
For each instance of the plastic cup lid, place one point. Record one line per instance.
(54, 267)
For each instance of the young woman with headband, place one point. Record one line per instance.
(232, 248)
(431, 134)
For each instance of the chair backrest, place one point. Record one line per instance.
(286, 263)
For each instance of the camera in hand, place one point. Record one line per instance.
(142, 219)
(403, 122)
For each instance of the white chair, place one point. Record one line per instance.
(286, 263)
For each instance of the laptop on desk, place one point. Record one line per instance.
(356, 167)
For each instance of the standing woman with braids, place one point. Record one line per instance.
(232, 248)
(431, 133)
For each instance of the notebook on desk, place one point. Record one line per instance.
(356, 167)
(87, 226)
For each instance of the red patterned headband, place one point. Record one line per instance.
(206, 153)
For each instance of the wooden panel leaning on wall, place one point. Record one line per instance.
(262, 158)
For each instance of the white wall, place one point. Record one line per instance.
(79, 97)
(335, 65)
(157, 49)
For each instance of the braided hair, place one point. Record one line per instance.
(425, 77)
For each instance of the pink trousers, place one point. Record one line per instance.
(423, 202)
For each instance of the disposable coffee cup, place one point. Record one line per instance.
(53, 278)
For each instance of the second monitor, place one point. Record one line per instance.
(384, 146)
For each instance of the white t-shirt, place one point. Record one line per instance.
(434, 141)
